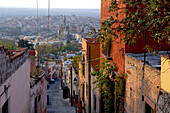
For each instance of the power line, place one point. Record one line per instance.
(37, 18)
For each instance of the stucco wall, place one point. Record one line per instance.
(18, 92)
(165, 74)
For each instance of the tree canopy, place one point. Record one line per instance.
(24, 43)
(10, 45)
(71, 47)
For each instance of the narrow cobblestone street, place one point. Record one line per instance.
(56, 102)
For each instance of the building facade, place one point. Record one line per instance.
(14, 81)
(38, 94)
(142, 88)
(90, 59)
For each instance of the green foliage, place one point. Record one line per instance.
(65, 58)
(70, 47)
(10, 45)
(76, 60)
(24, 43)
(16, 38)
(45, 49)
(104, 82)
(110, 85)
(68, 41)
(146, 18)
(37, 72)
(119, 92)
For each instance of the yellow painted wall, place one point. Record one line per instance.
(165, 73)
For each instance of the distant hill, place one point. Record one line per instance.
(32, 12)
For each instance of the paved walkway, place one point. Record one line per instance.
(56, 102)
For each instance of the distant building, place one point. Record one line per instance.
(14, 81)
(63, 31)
(78, 37)
(38, 94)
(88, 96)
(72, 83)
(52, 70)
(70, 55)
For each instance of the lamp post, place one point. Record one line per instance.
(75, 81)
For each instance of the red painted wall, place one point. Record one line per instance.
(116, 52)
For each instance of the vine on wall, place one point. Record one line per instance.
(111, 85)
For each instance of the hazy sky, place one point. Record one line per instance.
(80, 4)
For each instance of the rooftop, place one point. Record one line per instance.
(151, 59)
(91, 40)
(17, 53)
(13, 54)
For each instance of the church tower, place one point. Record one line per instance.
(64, 22)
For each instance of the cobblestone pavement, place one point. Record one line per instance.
(56, 102)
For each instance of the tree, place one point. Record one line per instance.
(10, 45)
(24, 43)
(45, 49)
(71, 47)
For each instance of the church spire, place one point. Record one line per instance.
(64, 21)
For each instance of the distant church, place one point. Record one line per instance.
(63, 31)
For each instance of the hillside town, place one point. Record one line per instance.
(118, 63)
(21, 26)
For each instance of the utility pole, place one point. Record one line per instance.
(48, 17)
(89, 79)
(37, 19)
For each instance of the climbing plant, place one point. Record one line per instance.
(110, 85)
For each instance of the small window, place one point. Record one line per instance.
(83, 57)
(142, 98)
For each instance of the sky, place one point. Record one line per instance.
(73, 4)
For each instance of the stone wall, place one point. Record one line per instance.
(163, 105)
(141, 89)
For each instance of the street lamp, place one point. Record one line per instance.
(75, 81)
